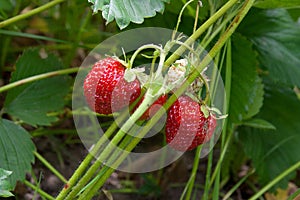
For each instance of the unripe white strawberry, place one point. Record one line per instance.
(177, 75)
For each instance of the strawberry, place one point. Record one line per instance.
(153, 108)
(186, 125)
(105, 88)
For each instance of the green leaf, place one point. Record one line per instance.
(259, 123)
(295, 13)
(273, 151)
(276, 38)
(7, 5)
(277, 3)
(247, 88)
(126, 11)
(5, 185)
(16, 154)
(31, 102)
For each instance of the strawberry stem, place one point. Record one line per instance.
(136, 53)
(199, 32)
(179, 18)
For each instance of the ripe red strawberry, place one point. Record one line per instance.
(153, 108)
(105, 88)
(186, 126)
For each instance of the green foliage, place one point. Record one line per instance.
(6, 5)
(31, 102)
(247, 88)
(259, 123)
(5, 185)
(273, 151)
(277, 3)
(276, 39)
(16, 150)
(271, 138)
(126, 11)
(150, 186)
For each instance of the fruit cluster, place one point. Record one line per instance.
(106, 91)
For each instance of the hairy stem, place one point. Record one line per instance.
(199, 31)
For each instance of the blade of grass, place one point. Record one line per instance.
(50, 167)
(236, 186)
(32, 36)
(29, 13)
(294, 195)
(190, 185)
(38, 77)
(275, 181)
(39, 190)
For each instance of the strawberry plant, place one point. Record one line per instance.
(207, 90)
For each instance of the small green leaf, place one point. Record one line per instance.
(126, 11)
(247, 88)
(16, 150)
(273, 151)
(277, 3)
(276, 39)
(259, 123)
(5, 185)
(31, 102)
(205, 111)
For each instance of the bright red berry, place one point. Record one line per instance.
(186, 126)
(105, 88)
(153, 108)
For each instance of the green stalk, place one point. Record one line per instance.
(111, 146)
(146, 46)
(227, 52)
(225, 110)
(50, 167)
(128, 138)
(276, 180)
(199, 31)
(38, 77)
(242, 13)
(29, 13)
(179, 18)
(294, 195)
(128, 149)
(85, 163)
(236, 186)
(191, 181)
(39, 190)
(218, 167)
